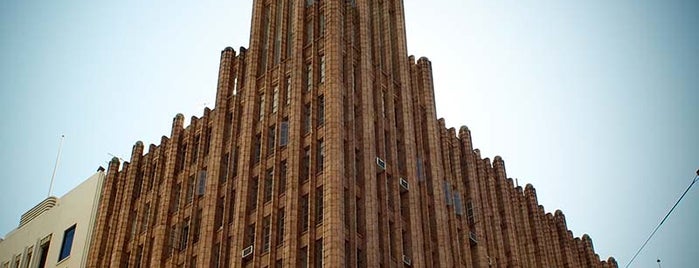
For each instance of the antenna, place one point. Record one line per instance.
(516, 182)
(55, 166)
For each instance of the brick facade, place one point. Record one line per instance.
(324, 149)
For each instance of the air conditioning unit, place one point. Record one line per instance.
(381, 164)
(403, 185)
(472, 237)
(247, 252)
(407, 260)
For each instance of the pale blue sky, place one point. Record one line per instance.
(593, 102)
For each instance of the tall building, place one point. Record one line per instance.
(57, 231)
(324, 150)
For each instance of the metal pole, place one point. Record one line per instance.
(55, 166)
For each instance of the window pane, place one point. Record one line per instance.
(67, 243)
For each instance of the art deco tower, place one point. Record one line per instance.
(324, 150)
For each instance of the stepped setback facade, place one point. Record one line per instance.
(324, 150)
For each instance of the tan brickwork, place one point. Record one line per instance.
(203, 196)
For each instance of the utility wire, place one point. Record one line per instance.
(663, 221)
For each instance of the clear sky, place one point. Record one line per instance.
(593, 102)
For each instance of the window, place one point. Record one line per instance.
(469, 212)
(318, 258)
(347, 208)
(288, 89)
(268, 185)
(305, 164)
(322, 68)
(309, 76)
(280, 226)
(196, 226)
(250, 235)
(262, 106)
(202, 183)
(67, 243)
(284, 132)
(218, 218)
(359, 215)
(320, 156)
(282, 177)
(190, 189)
(266, 232)
(185, 235)
(172, 241)
(257, 148)
(17, 260)
(44, 251)
(270, 139)
(321, 110)
(309, 2)
(304, 213)
(303, 257)
(175, 198)
(139, 256)
(319, 205)
(275, 99)
(144, 220)
(195, 150)
(309, 33)
(252, 194)
(30, 252)
(307, 118)
(223, 171)
(321, 22)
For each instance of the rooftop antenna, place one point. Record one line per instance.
(516, 182)
(55, 166)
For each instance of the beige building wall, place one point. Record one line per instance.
(47, 223)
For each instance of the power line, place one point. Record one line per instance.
(663, 221)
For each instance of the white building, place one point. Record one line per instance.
(56, 232)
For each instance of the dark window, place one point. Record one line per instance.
(320, 156)
(288, 87)
(44, 253)
(321, 110)
(304, 213)
(175, 198)
(270, 139)
(197, 226)
(305, 164)
(318, 258)
(223, 171)
(144, 220)
(306, 118)
(303, 257)
(280, 226)
(250, 235)
(202, 183)
(268, 185)
(218, 220)
(184, 234)
(252, 194)
(67, 243)
(282, 177)
(257, 148)
(266, 232)
(319, 205)
(284, 132)
(322, 68)
(190, 189)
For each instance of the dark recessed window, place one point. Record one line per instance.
(67, 243)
